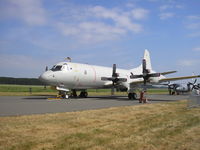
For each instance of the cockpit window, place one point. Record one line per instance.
(56, 68)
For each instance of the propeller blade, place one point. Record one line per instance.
(106, 78)
(122, 79)
(169, 72)
(144, 65)
(114, 74)
(135, 76)
(195, 81)
(154, 75)
(46, 69)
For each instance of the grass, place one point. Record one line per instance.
(150, 127)
(24, 90)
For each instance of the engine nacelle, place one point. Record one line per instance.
(154, 80)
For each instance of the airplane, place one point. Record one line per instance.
(176, 88)
(69, 76)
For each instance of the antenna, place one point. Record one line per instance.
(68, 59)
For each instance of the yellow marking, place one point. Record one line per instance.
(54, 99)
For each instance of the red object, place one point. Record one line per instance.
(142, 97)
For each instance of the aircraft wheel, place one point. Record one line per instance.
(64, 94)
(132, 96)
(83, 94)
(74, 93)
(129, 95)
(86, 94)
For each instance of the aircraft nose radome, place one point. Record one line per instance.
(43, 77)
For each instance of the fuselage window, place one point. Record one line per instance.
(56, 68)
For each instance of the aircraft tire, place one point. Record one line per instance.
(132, 96)
(86, 95)
(83, 94)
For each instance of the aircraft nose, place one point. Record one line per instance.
(43, 77)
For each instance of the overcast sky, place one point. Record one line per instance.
(39, 33)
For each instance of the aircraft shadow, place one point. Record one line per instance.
(118, 98)
(111, 98)
(36, 98)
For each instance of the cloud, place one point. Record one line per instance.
(194, 26)
(195, 34)
(197, 49)
(119, 17)
(28, 11)
(97, 23)
(188, 63)
(193, 17)
(21, 65)
(170, 6)
(91, 31)
(164, 16)
(139, 13)
(164, 7)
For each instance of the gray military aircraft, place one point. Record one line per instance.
(177, 88)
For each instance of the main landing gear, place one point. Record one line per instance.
(73, 94)
(83, 94)
(132, 96)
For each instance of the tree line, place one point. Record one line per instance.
(20, 81)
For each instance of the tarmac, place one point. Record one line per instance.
(29, 105)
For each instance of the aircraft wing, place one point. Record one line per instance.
(168, 79)
(178, 78)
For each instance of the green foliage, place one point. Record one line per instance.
(24, 88)
(20, 81)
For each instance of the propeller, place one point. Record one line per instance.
(194, 85)
(172, 87)
(115, 78)
(46, 69)
(145, 73)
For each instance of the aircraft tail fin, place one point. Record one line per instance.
(148, 59)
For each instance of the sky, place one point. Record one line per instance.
(39, 33)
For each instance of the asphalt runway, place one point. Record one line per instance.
(29, 105)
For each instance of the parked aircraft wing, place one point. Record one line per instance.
(178, 78)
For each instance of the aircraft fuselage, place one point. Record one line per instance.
(80, 76)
